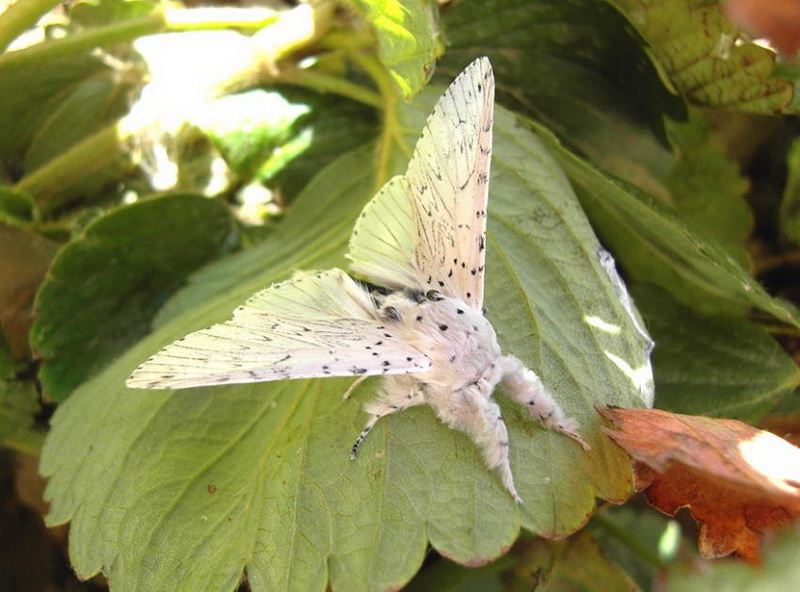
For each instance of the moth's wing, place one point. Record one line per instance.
(382, 243)
(320, 324)
(448, 183)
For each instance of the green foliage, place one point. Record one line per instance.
(596, 131)
(18, 403)
(408, 39)
(103, 287)
(699, 49)
(780, 571)
(706, 187)
(790, 206)
(719, 365)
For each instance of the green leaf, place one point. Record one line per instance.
(246, 128)
(707, 188)
(18, 404)
(780, 570)
(790, 206)
(574, 564)
(655, 246)
(97, 13)
(16, 207)
(445, 576)
(102, 286)
(408, 42)
(706, 58)
(718, 366)
(631, 538)
(29, 96)
(155, 481)
(334, 127)
(576, 66)
(92, 104)
(577, 563)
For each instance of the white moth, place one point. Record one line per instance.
(424, 237)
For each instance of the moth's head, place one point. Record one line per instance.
(421, 296)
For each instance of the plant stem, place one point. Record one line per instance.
(21, 16)
(390, 131)
(323, 83)
(117, 33)
(46, 184)
(286, 31)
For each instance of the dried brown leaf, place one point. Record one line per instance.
(738, 482)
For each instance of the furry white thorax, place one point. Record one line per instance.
(460, 342)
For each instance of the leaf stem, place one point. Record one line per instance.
(46, 184)
(323, 83)
(390, 130)
(117, 33)
(279, 33)
(20, 16)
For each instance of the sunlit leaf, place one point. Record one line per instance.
(407, 34)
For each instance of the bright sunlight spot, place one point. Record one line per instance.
(604, 326)
(641, 377)
(775, 459)
(670, 541)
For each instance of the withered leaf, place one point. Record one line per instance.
(738, 482)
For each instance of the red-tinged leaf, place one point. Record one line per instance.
(738, 482)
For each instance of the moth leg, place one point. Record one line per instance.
(470, 410)
(395, 396)
(354, 386)
(526, 388)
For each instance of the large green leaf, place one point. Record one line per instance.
(654, 245)
(577, 66)
(713, 365)
(103, 287)
(30, 96)
(703, 53)
(153, 481)
(407, 34)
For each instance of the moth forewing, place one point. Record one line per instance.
(314, 325)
